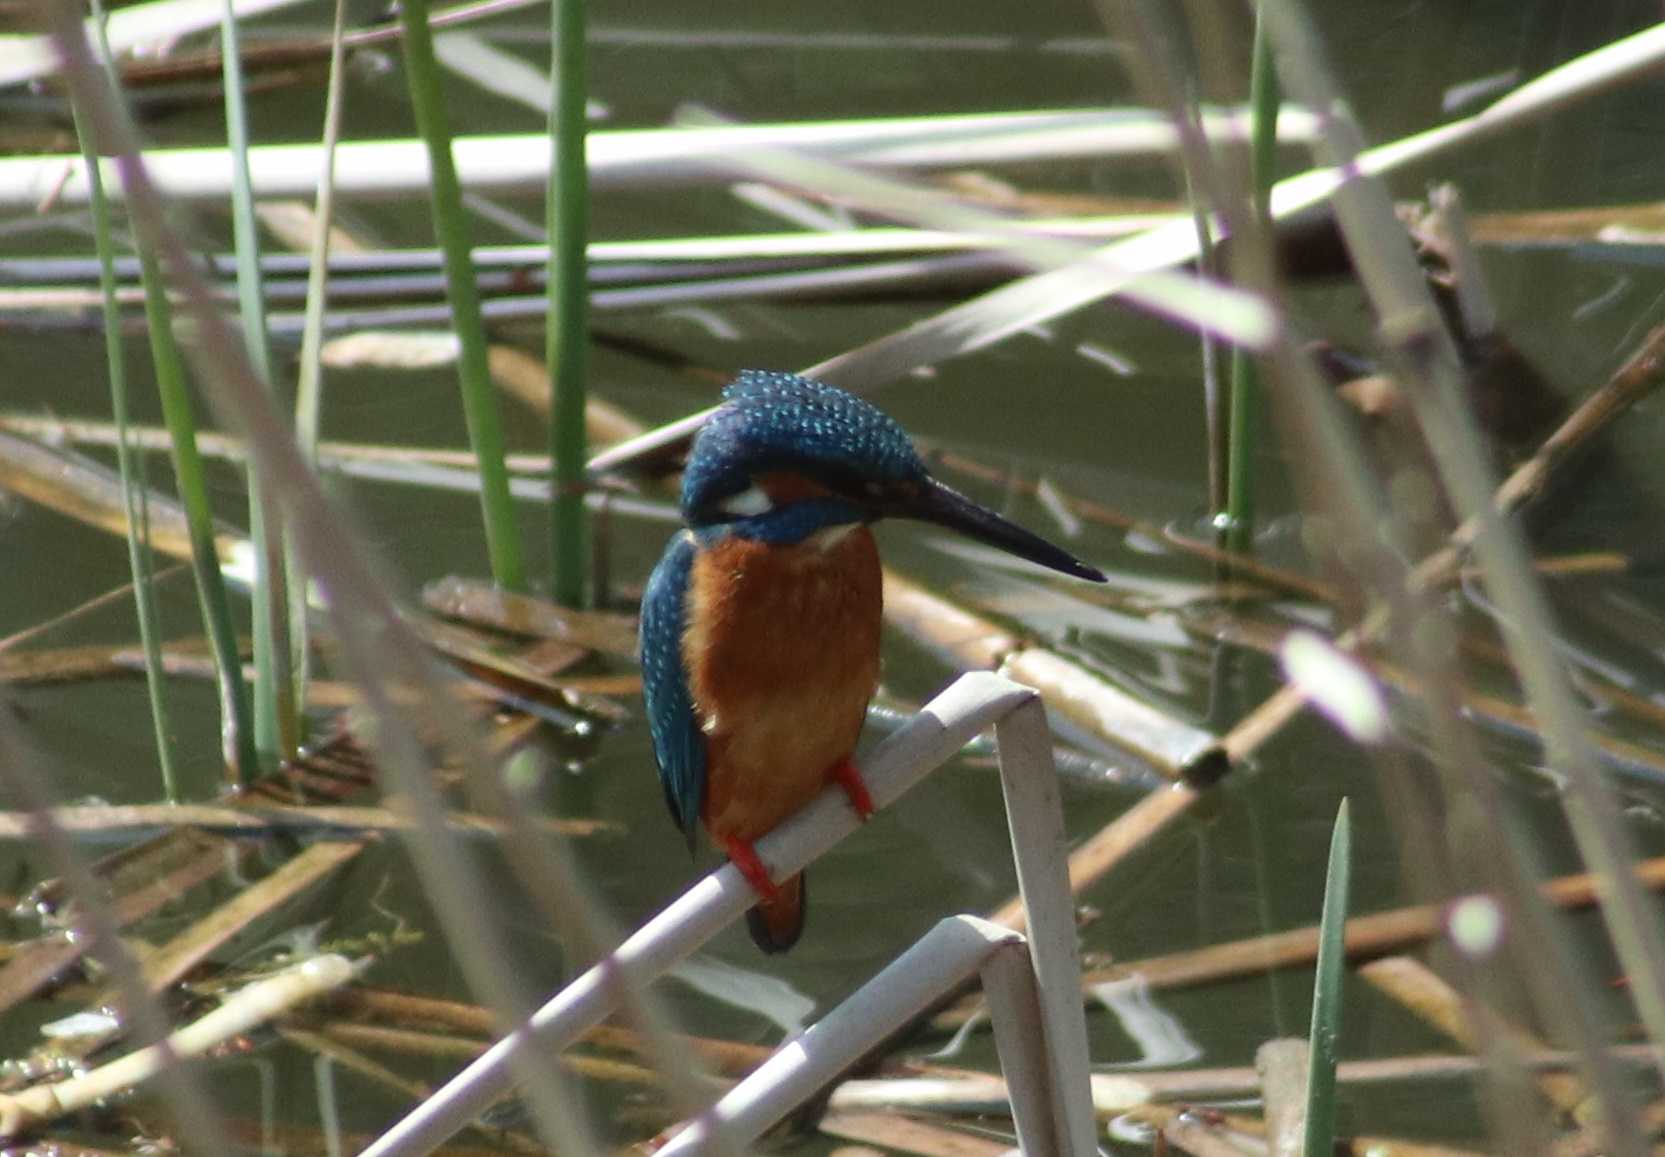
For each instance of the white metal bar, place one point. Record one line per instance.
(1020, 1040)
(1035, 815)
(945, 957)
(940, 729)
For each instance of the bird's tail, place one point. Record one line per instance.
(776, 924)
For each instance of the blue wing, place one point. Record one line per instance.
(678, 742)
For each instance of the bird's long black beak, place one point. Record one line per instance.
(931, 501)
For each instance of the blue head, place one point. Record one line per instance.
(785, 457)
(773, 427)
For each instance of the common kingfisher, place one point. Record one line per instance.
(760, 624)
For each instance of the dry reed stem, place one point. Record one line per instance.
(507, 673)
(411, 1042)
(354, 1061)
(727, 1058)
(85, 490)
(1194, 1136)
(57, 431)
(97, 602)
(1112, 844)
(89, 492)
(264, 818)
(1377, 934)
(36, 963)
(909, 1135)
(148, 875)
(247, 1008)
(967, 641)
(191, 947)
(526, 379)
(1090, 510)
(483, 605)
(1472, 703)
(1416, 987)
(1282, 1065)
(1641, 372)
(35, 668)
(414, 1042)
(379, 1074)
(1123, 1092)
(189, 659)
(62, 1149)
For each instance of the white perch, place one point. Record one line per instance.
(1052, 1063)
(957, 949)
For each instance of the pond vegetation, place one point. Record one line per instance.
(1328, 333)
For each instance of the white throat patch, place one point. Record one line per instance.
(748, 503)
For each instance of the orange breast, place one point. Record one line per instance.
(782, 652)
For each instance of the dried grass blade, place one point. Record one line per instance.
(1044, 296)
(191, 947)
(90, 492)
(1231, 314)
(24, 58)
(37, 962)
(482, 605)
(260, 817)
(243, 1010)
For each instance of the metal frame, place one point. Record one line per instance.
(1037, 1011)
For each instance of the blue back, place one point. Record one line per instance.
(677, 741)
(774, 421)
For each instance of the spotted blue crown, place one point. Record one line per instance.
(773, 421)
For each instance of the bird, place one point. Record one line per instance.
(759, 629)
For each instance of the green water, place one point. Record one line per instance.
(1250, 861)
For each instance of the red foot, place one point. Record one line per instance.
(742, 856)
(844, 774)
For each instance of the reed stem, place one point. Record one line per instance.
(485, 430)
(309, 383)
(276, 719)
(132, 483)
(568, 326)
(236, 735)
(1264, 98)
